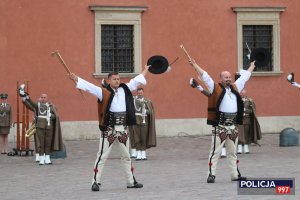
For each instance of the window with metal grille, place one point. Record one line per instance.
(117, 48)
(258, 36)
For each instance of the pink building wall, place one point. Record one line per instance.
(31, 29)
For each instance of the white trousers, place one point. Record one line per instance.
(230, 139)
(107, 141)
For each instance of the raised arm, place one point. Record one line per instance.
(30, 104)
(252, 67)
(26, 99)
(138, 80)
(86, 86)
(203, 76)
(145, 71)
(245, 76)
(198, 69)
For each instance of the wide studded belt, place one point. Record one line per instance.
(227, 119)
(116, 118)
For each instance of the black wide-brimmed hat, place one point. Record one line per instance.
(159, 64)
(261, 57)
(3, 96)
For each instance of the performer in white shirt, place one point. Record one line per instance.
(115, 113)
(225, 111)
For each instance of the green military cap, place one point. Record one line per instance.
(3, 96)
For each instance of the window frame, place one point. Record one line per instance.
(118, 15)
(260, 16)
(117, 51)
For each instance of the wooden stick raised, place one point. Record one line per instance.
(65, 66)
(185, 51)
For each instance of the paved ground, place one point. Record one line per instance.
(176, 169)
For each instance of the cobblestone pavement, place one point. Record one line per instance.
(175, 169)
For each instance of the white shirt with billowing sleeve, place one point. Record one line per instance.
(229, 102)
(118, 103)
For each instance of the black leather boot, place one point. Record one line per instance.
(211, 178)
(96, 187)
(136, 185)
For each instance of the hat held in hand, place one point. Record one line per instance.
(159, 64)
(3, 96)
(193, 83)
(261, 56)
(290, 77)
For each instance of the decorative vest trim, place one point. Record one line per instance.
(104, 106)
(215, 100)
